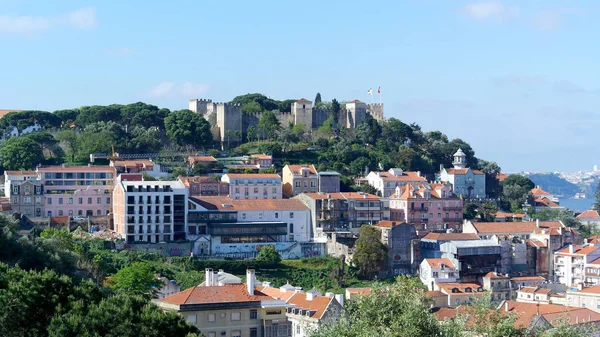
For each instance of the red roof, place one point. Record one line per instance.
(342, 195)
(303, 100)
(296, 169)
(462, 171)
(527, 312)
(228, 293)
(252, 175)
(545, 202)
(513, 227)
(359, 291)
(578, 250)
(23, 172)
(528, 278)
(451, 236)
(228, 204)
(4, 112)
(589, 214)
(76, 168)
(388, 223)
(494, 275)
(319, 303)
(276, 293)
(501, 176)
(538, 192)
(405, 176)
(198, 159)
(437, 263)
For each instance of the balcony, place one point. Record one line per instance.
(559, 272)
(419, 209)
(452, 208)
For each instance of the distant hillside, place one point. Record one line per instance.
(554, 184)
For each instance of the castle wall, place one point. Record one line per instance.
(319, 116)
(229, 121)
(356, 113)
(375, 110)
(303, 113)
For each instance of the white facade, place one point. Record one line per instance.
(386, 182)
(465, 181)
(585, 298)
(13, 176)
(570, 263)
(253, 186)
(432, 271)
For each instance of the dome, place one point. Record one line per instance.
(460, 153)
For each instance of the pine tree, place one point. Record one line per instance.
(318, 99)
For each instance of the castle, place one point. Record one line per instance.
(230, 125)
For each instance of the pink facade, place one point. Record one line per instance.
(77, 190)
(204, 186)
(430, 207)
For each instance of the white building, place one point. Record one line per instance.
(570, 263)
(17, 176)
(150, 211)
(534, 294)
(236, 226)
(168, 288)
(590, 218)
(465, 181)
(585, 298)
(432, 271)
(253, 186)
(386, 182)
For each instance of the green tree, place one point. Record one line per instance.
(67, 116)
(46, 141)
(269, 256)
(63, 239)
(268, 124)
(492, 184)
(185, 127)
(488, 211)
(371, 255)
(368, 131)
(98, 113)
(318, 100)
(251, 133)
(519, 180)
(251, 107)
(470, 211)
(596, 205)
(137, 279)
(120, 316)
(20, 153)
(335, 110)
(69, 141)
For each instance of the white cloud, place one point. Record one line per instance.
(547, 20)
(23, 24)
(485, 10)
(172, 89)
(118, 51)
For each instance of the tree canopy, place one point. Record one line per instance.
(20, 153)
(370, 255)
(186, 127)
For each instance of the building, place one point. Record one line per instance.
(570, 263)
(230, 125)
(77, 190)
(145, 166)
(430, 207)
(434, 271)
(206, 161)
(204, 186)
(473, 258)
(590, 218)
(230, 308)
(253, 186)
(540, 317)
(298, 179)
(150, 211)
(386, 182)
(307, 311)
(221, 226)
(460, 293)
(354, 292)
(498, 285)
(430, 243)
(465, 181)
(25, 192)
(509, 217)
(534, 294)
(517, 282)
(588, 297)
(402, 244)
(344, 211)
(544, 199)
(168, 288)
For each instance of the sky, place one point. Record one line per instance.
(518, 80)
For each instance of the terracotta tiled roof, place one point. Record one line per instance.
(16, 173)
(501, 176)
(536, 243)
(513, 227)
(590, 290)
(527, 312)
(228, 204)
(541, 202)
(527, 278)
(252, 175)
(81, 168)
(451, 236)
(276, 293)
(437, 263)
(447, 287)
(500, 214)
(578, 250)
(494, 275)
(462, 171)
(303, 100)
(538, 192)
(445, 313)
(593, 239)
(388, 223)
(359, 291)
(262, 156)
(228, 293)
(296, 169)
(5, 205)
(132, 162)
(589, 214)
(197, 179)
(434, 293)
(319, 303)
(405, 176)
(4, 112)
(535, 290)
(342, 196)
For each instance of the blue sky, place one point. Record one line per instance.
(516, 79)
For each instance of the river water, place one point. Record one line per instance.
(577, 204)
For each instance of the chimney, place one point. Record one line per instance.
(208, 277)
(215, 280)
(340, 299)
(571, 249)
(419, 173)
(298, 290)
(506, 306)
(576, 319)
(537, 223)
(250, 280)
(441, 167)
(330, 295)
(310, 296)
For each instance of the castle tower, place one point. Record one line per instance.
(302, 110)
(229, 122)
(204, 107)
(375, 110)
(357, 113)
(460, 160)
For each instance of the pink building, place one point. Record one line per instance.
(428, 206)
(204, 186)
(253, 186)
(77, 190)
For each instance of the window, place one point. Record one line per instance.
(108, 200)
(60, 212)
(49, 201)
(291, 228)
(291, 215)
(89, 201)
(243, 215)
(253, 332)
(435, 274)
(236, 316)
(223, 315)
(254, 314)
(80, 201)
(70, 212)
(297, 184)
(27, 189)
(236, 333)
(274, 189)
(212, 334)
(276, 215)
(98, 200)
(15, 190)
(60, 201)
(15, 200)
(212, 317)
(70, 201)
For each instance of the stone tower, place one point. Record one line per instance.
(302, 110)
(375, 110)
(356, 112)
(229, 122)
(460, 160)
(204, 107)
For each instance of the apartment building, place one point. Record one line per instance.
(307, 310)
(253, 186)
(386, 182)
(145, 166)
(204, 186)
(77, 190)
(344, 211)
(588, 297)
(402, 245)
(498, 285)
(239, 226)
(27, 197)
(430, 207)
(230, 308)
(430, 243)
(150, 211)
(298, 179)
(570, 263)
(11, 177)
(432, 271)
(473, 258)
